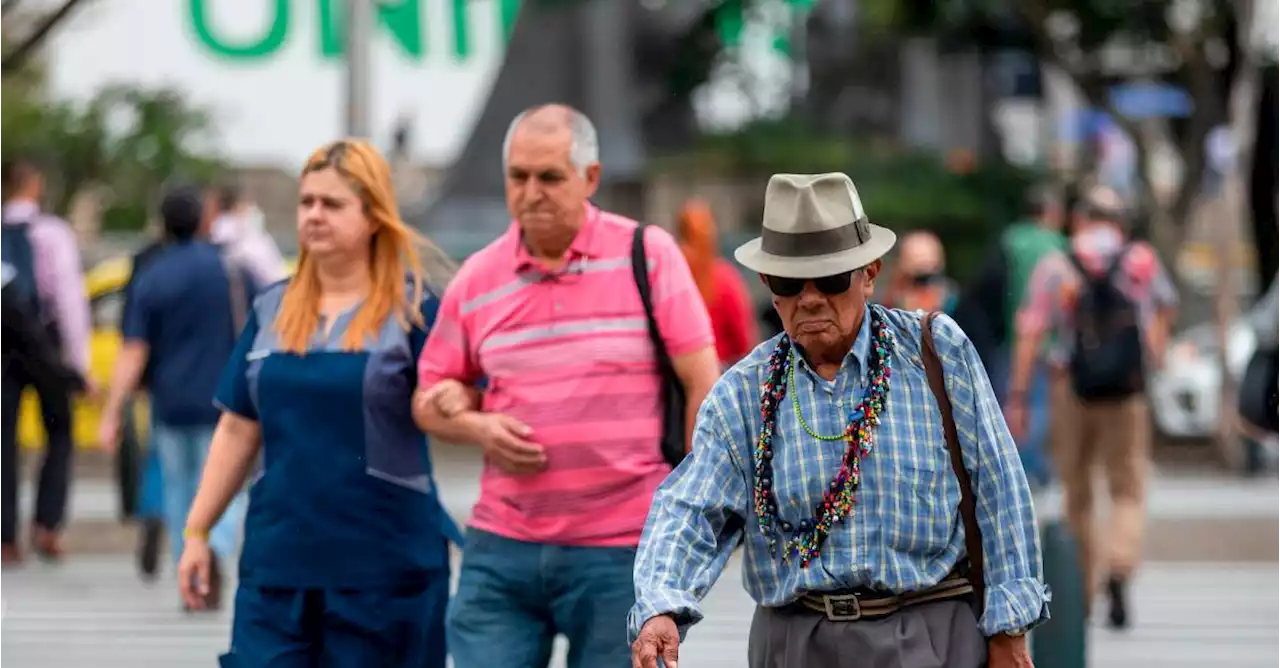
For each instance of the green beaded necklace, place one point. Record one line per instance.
(795, 403)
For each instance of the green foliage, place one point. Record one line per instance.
(901, 189)
(1001, 23)
(126, 138)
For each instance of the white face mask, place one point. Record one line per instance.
(1099, 239)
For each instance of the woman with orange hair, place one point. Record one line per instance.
(723, 290)
(346, 550)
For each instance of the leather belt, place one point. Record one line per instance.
(854, 606)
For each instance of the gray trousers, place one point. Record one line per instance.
(930, 635)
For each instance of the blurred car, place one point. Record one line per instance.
(1186, 394)
(104, 285)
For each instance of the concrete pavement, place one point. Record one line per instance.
(93, 613)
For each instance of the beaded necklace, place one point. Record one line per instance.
(837, 502)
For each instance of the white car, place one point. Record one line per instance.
(1186, 394)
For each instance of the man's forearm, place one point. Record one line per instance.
(1024, 358)
(126, 376)
(459, 429)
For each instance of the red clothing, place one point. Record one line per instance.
(732, 318)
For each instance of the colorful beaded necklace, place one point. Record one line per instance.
(838, 501)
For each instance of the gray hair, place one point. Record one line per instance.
(584, 151)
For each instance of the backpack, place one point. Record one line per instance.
(1106, 360)
(18, 253)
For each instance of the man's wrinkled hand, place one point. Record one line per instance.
(658, 639)
(1008, 652)
(505, 441)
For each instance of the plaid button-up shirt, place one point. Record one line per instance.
(905, 533)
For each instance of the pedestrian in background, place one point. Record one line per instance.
(721, 286)
(550, 316)
(186, 308)
(346, 550)
(240, 229)
(917, 279)
(988, 310)
(1105, 306)
(149, 510)
(45, 255)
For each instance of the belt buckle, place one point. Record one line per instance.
(838, 605)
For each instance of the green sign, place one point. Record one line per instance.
(402, 20)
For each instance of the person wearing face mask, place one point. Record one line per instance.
(1107, 302)
(861, 458)
(919, 281)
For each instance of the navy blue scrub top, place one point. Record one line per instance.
(346, 496)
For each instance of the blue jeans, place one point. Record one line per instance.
(1034, 446)
(514, 597)
(151, 492)
(182, 452)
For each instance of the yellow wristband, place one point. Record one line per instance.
(188, 533)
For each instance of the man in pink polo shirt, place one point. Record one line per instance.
(550, 317)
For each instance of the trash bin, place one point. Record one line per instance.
(1061, 641)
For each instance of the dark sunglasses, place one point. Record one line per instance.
(835, 284)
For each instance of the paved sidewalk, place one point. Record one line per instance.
(93, 613)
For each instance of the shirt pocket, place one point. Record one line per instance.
(918, 507)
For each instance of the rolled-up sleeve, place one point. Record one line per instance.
(1042, 300)
(1016, 596)
(695, 520)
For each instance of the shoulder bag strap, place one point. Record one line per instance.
(236, 292)
(640, 272)
(968, 506)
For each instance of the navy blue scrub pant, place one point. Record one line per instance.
(335, 628)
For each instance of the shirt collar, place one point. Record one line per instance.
(20, 210)
(861, 349)
(586, 244)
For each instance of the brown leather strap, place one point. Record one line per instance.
(968, 506)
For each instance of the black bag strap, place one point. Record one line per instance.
(640, 272)
(1109, 275)
(968, 503)
(237, 291)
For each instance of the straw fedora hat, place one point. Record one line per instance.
(814, 226)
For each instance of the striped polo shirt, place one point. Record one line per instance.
(567, 352)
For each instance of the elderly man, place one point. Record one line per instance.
(832, 451)
(551, 316)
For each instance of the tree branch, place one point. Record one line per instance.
(8, 6)
(28, 46)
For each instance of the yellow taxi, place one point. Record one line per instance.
(104, 285)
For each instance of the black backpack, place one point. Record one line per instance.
(1106, 360)
(17, 252)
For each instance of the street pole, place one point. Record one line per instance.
(359, 67)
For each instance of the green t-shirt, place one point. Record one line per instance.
(1025, 244)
